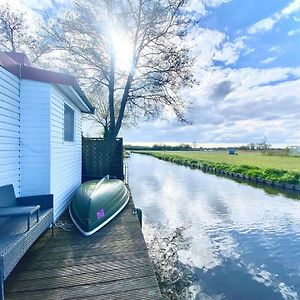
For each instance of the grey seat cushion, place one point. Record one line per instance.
(10, 226)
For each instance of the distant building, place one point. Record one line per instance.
(294, 150)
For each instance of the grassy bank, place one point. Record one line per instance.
(250, 164)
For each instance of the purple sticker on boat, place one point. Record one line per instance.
(100, 214)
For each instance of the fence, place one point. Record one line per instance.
(97, 160)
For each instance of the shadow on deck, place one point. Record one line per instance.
(111, 264)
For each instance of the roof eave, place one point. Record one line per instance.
(72, 94)
(26, 71)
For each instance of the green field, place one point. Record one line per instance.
(255, 159)
(282, 169)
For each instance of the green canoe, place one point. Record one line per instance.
(95, 203)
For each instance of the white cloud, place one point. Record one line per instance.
(296, 19)
(263, 25)
(293, 32)
(211, 45)
(214, 3)
(204, 44)
(16, 5)
(236, 105)
(268, 23)
(291, 8)
(247, 52)
(254, 106)
(31, 7)
(37, 4)
(230, 51)
(276, 49)
(196, 6)
(268, 60)
(201, 6)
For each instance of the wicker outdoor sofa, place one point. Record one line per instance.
(22, 221)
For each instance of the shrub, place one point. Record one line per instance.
(275, 175)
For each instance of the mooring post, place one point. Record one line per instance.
(139, 213)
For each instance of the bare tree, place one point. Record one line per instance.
(16, 36)
(128, 54)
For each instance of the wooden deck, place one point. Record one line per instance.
(111, 264)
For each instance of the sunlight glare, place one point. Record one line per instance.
(123, 50)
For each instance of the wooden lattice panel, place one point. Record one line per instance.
(97, 161)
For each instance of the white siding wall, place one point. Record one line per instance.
(9, 130)
(35, 138)
(33, 154)
(65, 156)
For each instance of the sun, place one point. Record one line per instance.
(123, 50)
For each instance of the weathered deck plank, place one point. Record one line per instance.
(111, 264)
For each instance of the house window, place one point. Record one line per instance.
(68, 124)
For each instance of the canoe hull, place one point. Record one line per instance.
(96, 203)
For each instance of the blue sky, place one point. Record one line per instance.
(248, 65)
(235, 18)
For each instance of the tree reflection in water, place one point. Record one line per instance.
(175, 278)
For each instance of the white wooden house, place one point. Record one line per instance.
(40, 130)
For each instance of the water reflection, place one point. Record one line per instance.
(164, 245)
(269, 189)
(240, 242)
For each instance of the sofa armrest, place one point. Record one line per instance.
(18, 211)
(45, 201)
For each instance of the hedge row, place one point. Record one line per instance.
(274, 175)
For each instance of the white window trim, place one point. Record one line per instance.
(74, 125)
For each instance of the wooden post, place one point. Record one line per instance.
(28, 222)
(1, 283)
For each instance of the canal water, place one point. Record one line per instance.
(215, 238)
